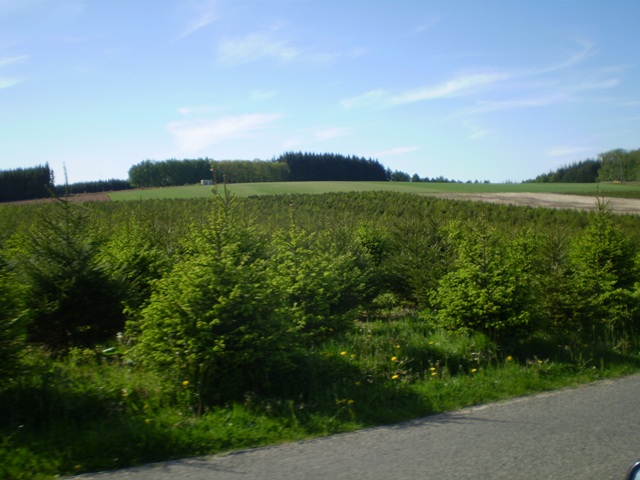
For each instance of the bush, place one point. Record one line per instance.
(489, 290)
(70, 298)
(215, 320)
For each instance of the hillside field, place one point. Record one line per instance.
(630, 190)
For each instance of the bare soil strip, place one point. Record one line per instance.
(551, 200)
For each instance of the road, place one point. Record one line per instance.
(588, 432)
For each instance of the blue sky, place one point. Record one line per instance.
(487, 90)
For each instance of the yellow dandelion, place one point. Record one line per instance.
(343, 353)
(397, 346)
(185, 383)
(394, 377)
(433, 369)
(353, 355)
(509, 358)
(434, 374)
(474, 370)
(394, 359)
(430, 343)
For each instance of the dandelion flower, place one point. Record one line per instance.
(185, 383)
(430, 343)
(397, 346)
(509, 358)
(343, 353)
(433, 369)
(394, 359)
(434, 374)
(394, 377)
(474, 370)
(353, 355)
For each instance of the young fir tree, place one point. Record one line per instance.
(489, 289)
(70, 297)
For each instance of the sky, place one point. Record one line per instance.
(468, 90)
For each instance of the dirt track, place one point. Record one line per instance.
(551, 200)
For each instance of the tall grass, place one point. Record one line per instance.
(94, 410)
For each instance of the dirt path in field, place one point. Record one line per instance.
(550, 200)
(78, 198)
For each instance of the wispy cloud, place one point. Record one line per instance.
(195, 135)
(565, 151)
(476, 131)
(372, 98)
(6, 82)
(455, 86)
(331, 133)
(205, 16)
(12, 80)
(459, 85)
(188, 111)
(12, 60)
(396, 151)
(253, 47)
(425, 26)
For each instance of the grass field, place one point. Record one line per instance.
(281, 188)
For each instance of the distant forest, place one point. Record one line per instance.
(613, 166)
(38, 182)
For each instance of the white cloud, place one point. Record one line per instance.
(11, 60)
(425, 26)
(564, 151)
(253, 47)
(331, 133)
(476, 132)
(396, 151)
(188, 111)
(368, 99)
(205, 16)
(197, 134)
(6, 82)
(456, 86)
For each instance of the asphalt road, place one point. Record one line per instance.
(589, 432)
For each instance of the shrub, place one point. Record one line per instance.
(215, 320)
(489, 289)
(69, 295)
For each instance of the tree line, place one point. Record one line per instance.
(617, 165)
(26, 183)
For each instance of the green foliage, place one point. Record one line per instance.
(421, 255)
(489, 288)
(605, 278)
(215, 320)
(138, 252)
(25, 183)
(69, 296)
(620, 165)
(322, 285)
(12, 322)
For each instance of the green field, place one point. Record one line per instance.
(281, 188)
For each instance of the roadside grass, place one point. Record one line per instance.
(627, 190)
(92, 412)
